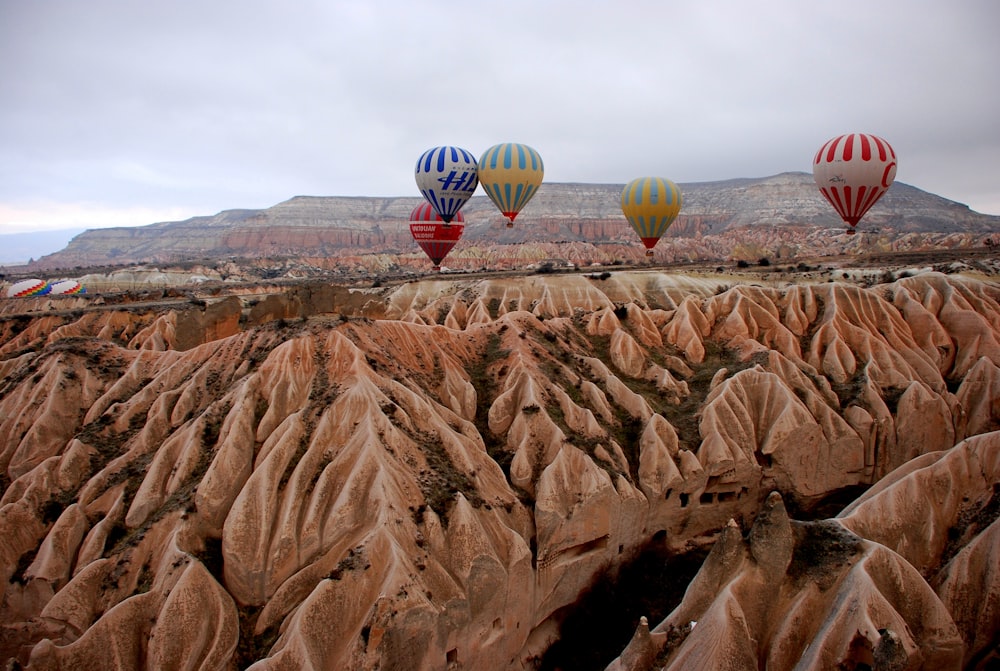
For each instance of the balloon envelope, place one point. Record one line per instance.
(436, 238)
(510, 174)
(68, 287)
(852, 172)
(28, 288)
(651, 204)
(426, 212)
(447, 178)
(433, 235)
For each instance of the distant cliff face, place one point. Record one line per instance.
(428, 475)
(718, 215)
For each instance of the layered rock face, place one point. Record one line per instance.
(779, 217)
(427, 476)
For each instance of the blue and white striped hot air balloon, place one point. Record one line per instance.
(447, 177)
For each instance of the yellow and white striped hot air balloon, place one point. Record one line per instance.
(510, 174)
(651, 204)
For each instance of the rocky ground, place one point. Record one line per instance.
(426, 472)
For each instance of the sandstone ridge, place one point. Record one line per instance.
(781, 216)
(429, 475)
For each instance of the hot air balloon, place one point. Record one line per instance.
(26, 288)
(66, 287)
(446, 176)
(510, 174)
(852, 172)
(433, 235)
(651, 204)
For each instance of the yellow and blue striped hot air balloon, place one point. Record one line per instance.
(510, 174)
(651, 204)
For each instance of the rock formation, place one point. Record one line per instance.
(904, 578)
(428, 475)
(780, 217)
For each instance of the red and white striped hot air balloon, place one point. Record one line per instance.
(852, 172)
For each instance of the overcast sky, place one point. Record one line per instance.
(131, 112)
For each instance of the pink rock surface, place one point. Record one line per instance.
(434, 475)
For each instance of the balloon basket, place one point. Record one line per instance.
(649, 252)
(436, 269)
(851, 231)
(510, 224)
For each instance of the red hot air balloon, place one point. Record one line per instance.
(433, 235)
(852, 172)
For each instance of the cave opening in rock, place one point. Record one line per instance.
(825, 507)
(602, 621)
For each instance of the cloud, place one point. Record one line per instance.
(56, 216)
(210, 106)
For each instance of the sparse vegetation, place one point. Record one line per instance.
(23, 562)
(211, 557)
(684, 416)
(822, 549)
(354, 560)
(973, 517)
(485, 385)
(443, 481)
(251, 646)
(850, 392)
